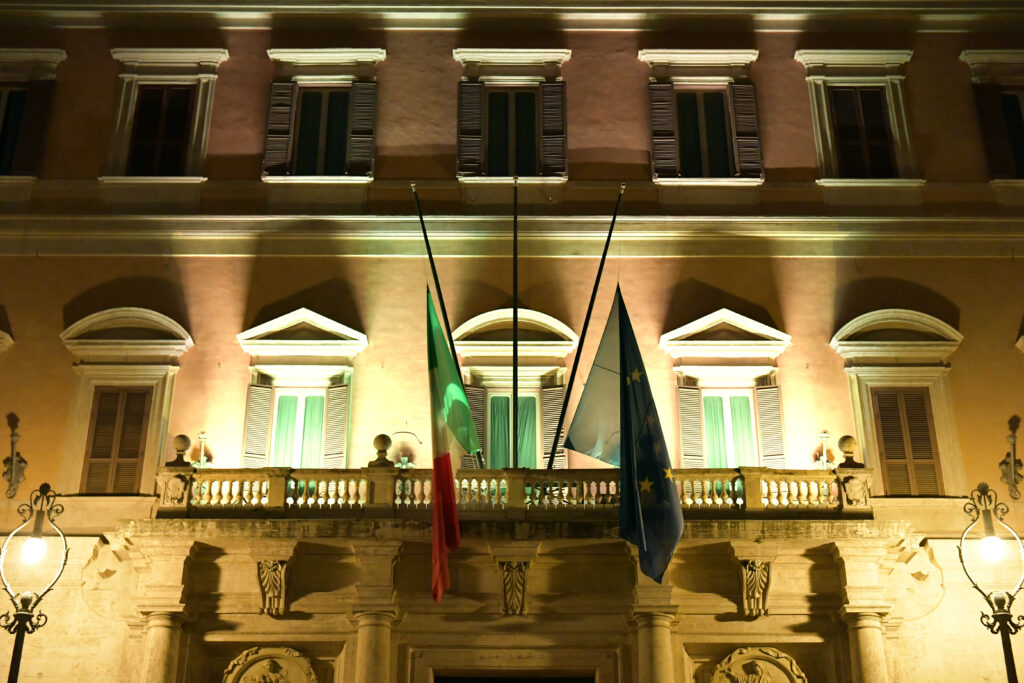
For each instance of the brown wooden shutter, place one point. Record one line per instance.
(744, 126)
(906, 442)
(32, 133)
(552, 131)
(117, 441)
(362, 128)
(257, 425)
(477, 398)
(691, 433)
(994, 132)
(336, 413)
(470, 146)
(280, 125)
(769, 427)
(551, 399)
(664, 147)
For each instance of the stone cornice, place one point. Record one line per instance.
(29, 64)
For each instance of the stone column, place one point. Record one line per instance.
(160, 653)
(867, 647)
(373, 647)
(654, 648)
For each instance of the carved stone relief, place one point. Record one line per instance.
(513, 587)
(172, 490)
(273, 575)
(270, 665)
(758, 665)
(856, 490)
(755, 577)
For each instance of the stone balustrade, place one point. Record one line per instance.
(511, 494)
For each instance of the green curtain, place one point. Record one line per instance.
(527, 431)
(312, 432)
(499, 420)
(284, 431)
(714, 432)
(742, 431)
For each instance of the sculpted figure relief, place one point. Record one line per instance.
(272, 576)
(270, 665)
(513, 580)
(758, 665)
(755, 576)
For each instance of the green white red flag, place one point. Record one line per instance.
(454, 435)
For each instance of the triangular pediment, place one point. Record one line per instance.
(725, 334)
(302, 333)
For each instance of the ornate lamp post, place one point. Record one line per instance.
(41, 505)
(984, 508)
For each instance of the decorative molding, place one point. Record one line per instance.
(316, 179)
(1002, 67)
(337, 56)
(511, 180)
(29, 64)
(755, 579)
(273, 580)
(500, 376)
(6, 341)
(127, 348)
(758, 665)
(339, 341)
(156, 59)
(709, 182)
(270, 664)
(513, 587)
(860, 62)
(765, 344)
(510, 57)
(725, 376)
(722, 65)
(871, 182)
(906, 352)
(152, 180)
(501, 318)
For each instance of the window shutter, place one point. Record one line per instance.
(477, 398)
(336, 426)
(100, 459)
(470, 147)
(664, 150)
(362, 135)
(906, 442)
(551, 399)
(28, 154)
(552, 141)
(769, 427)
(280, 122)
(691, 436)
(117, 443)
(744, 125)
(257, 425)
(994, 131)
(920, 436)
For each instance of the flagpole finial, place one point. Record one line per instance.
(413, 186)
(515, 179)
(622, 187)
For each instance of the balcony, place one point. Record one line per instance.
(509, 495)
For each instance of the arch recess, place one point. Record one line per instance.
(561, 339)
(896, 334)
(127, 335)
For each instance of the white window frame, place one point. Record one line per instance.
(121, 362)
(726, 393)
(860, 68)
(164, 66)
(20, 66)
(903, 364)
(1003, 68)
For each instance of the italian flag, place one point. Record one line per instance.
(454, 435)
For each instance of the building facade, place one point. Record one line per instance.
(207, 231)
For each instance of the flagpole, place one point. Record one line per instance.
(515, 322)
(583, 332)
(437, 283)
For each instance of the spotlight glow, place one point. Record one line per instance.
(33, 550)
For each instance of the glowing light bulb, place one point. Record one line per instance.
(33, 550)
(992, 548)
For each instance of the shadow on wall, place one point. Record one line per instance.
(5, 322)
(693, 299)
(871, 294)
(157, 294)
(332, 298)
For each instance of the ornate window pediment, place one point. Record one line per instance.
(896, 335)
(488, 337)
(126, 335)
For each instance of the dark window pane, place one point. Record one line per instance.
(526, 134)
(143, 158)
(717, 140)
(160, 131)
(689, 135)
(851, 160)
(1014, 130)
(179, 113)
(844, 113)
(307, 148)
(13, 110)
(497, 134)
(148, 108)
(336, 143)
(880, 157)
(172, 158)
(873, 111)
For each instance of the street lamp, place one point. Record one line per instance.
(41, 505)
(984, 508)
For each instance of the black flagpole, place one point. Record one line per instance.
(515, 322)
(583, 332)
(437, 283)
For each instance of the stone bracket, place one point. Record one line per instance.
(754, 561)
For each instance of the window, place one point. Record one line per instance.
(26, 90)
(163, 115)
(998, 76)
(859, 113)
(1012, 104)
(898, 364)
(499, 431)
(862, 143)
(117, 440)
(297, 410)
(511, 118)
(906, 444)
(729, 435)
(322, 115)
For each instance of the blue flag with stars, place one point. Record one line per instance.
(650, 516)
